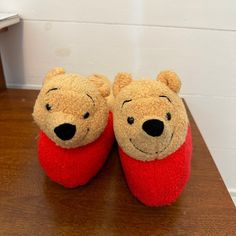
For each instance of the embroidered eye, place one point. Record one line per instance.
(130, 120)
(168, 116)
(48, 107)
(86, 115)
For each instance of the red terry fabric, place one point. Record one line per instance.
(159, 182)
(75, 166)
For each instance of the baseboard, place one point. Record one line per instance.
(232, 192)
(24, 86)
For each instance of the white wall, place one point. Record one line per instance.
(195, 38)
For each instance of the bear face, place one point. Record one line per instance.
(150, 120)
(71, 109)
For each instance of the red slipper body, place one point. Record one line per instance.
(159, 182)
(75, 166)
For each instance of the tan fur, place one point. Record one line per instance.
(110, 101)
(102, 84)
(146, 104)
(171, 79)
(122, 79)
(69, 103)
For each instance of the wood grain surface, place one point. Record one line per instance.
(30, 204)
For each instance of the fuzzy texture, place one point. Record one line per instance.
(75, 100)
(122, 79)
(159, 182)
(76, 127)
(75, 166)
(152, 130)
(171, 79)
(145, 100)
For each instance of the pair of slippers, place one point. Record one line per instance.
(77, 115)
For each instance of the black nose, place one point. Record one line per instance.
(153, 127)
(65, 131)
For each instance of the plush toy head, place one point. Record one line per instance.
(71, 109)
(150, 121)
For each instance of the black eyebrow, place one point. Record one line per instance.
(51, 90)
(163, 96)
(125, 102)
(91, 98)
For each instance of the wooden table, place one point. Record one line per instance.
(30, 204)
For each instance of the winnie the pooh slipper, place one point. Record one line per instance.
(154, 137)
(76, 126)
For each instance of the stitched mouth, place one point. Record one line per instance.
(85, 135)
(153, 152)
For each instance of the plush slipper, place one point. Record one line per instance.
(154, 136)
(76, 126)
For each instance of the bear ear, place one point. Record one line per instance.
(170, 79)
(121, 80)
(53, 72)
(102, 84)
